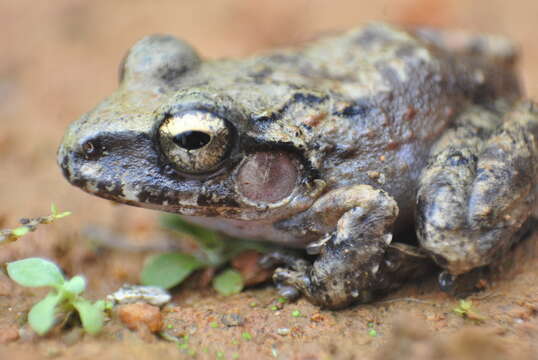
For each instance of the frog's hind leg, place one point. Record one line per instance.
(479, 188)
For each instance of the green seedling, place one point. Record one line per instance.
(214, 324)
(30, 224)
(465, 310)
(63, 299)
(213, 250)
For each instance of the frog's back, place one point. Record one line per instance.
(392, 93)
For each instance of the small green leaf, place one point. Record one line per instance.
(41, 316)
(34, 272)
(228, 282)
(91, 315)
(296, 313)
(168, 270)
(246, 335)
(206, 237)
(20, 231)
(55, 214)
(62, 215)
(76, 285)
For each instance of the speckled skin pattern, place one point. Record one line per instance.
(333, 146)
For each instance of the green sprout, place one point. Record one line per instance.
(64, 298)
(213, 251)
(465, 310)
(30, 224)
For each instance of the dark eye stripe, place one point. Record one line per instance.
(192, 140)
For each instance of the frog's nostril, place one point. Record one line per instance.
(88, 147)
(92, 149)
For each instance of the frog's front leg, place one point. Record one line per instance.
(478, 189)
(354, 224)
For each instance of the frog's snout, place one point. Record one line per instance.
(77, 157)
(70, 162)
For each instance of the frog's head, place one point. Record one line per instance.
(162, 142)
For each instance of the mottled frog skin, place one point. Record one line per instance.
(341, 146)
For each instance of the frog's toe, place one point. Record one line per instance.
(288, 292)
(286, 258)
(446, 281)
(291, 283)
(288, 277)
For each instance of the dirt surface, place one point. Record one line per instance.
(58, 59)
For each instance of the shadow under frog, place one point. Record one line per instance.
(337, 146)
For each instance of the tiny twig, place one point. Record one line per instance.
(407, 299)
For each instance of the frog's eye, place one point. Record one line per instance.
(196, 142)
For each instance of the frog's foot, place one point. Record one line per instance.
(478, 190)
(330, 284)
(350, 265)
(290, 260)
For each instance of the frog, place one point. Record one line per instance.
(380, 154)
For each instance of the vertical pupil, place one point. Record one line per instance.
(192, 140)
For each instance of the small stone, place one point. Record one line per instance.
(247, 263)
(136, 316)
(317, 317)
(232, 320)
(130, 294)
(283, 331)
(73, 336)
(9, 334)
(26, 334)
(6, 285)
(53, 352)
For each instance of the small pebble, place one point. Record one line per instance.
(232, 320)
(130, 294)
(9, 334)
(135, 316)
(247, 263)
(283, 331)
(73, 336)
